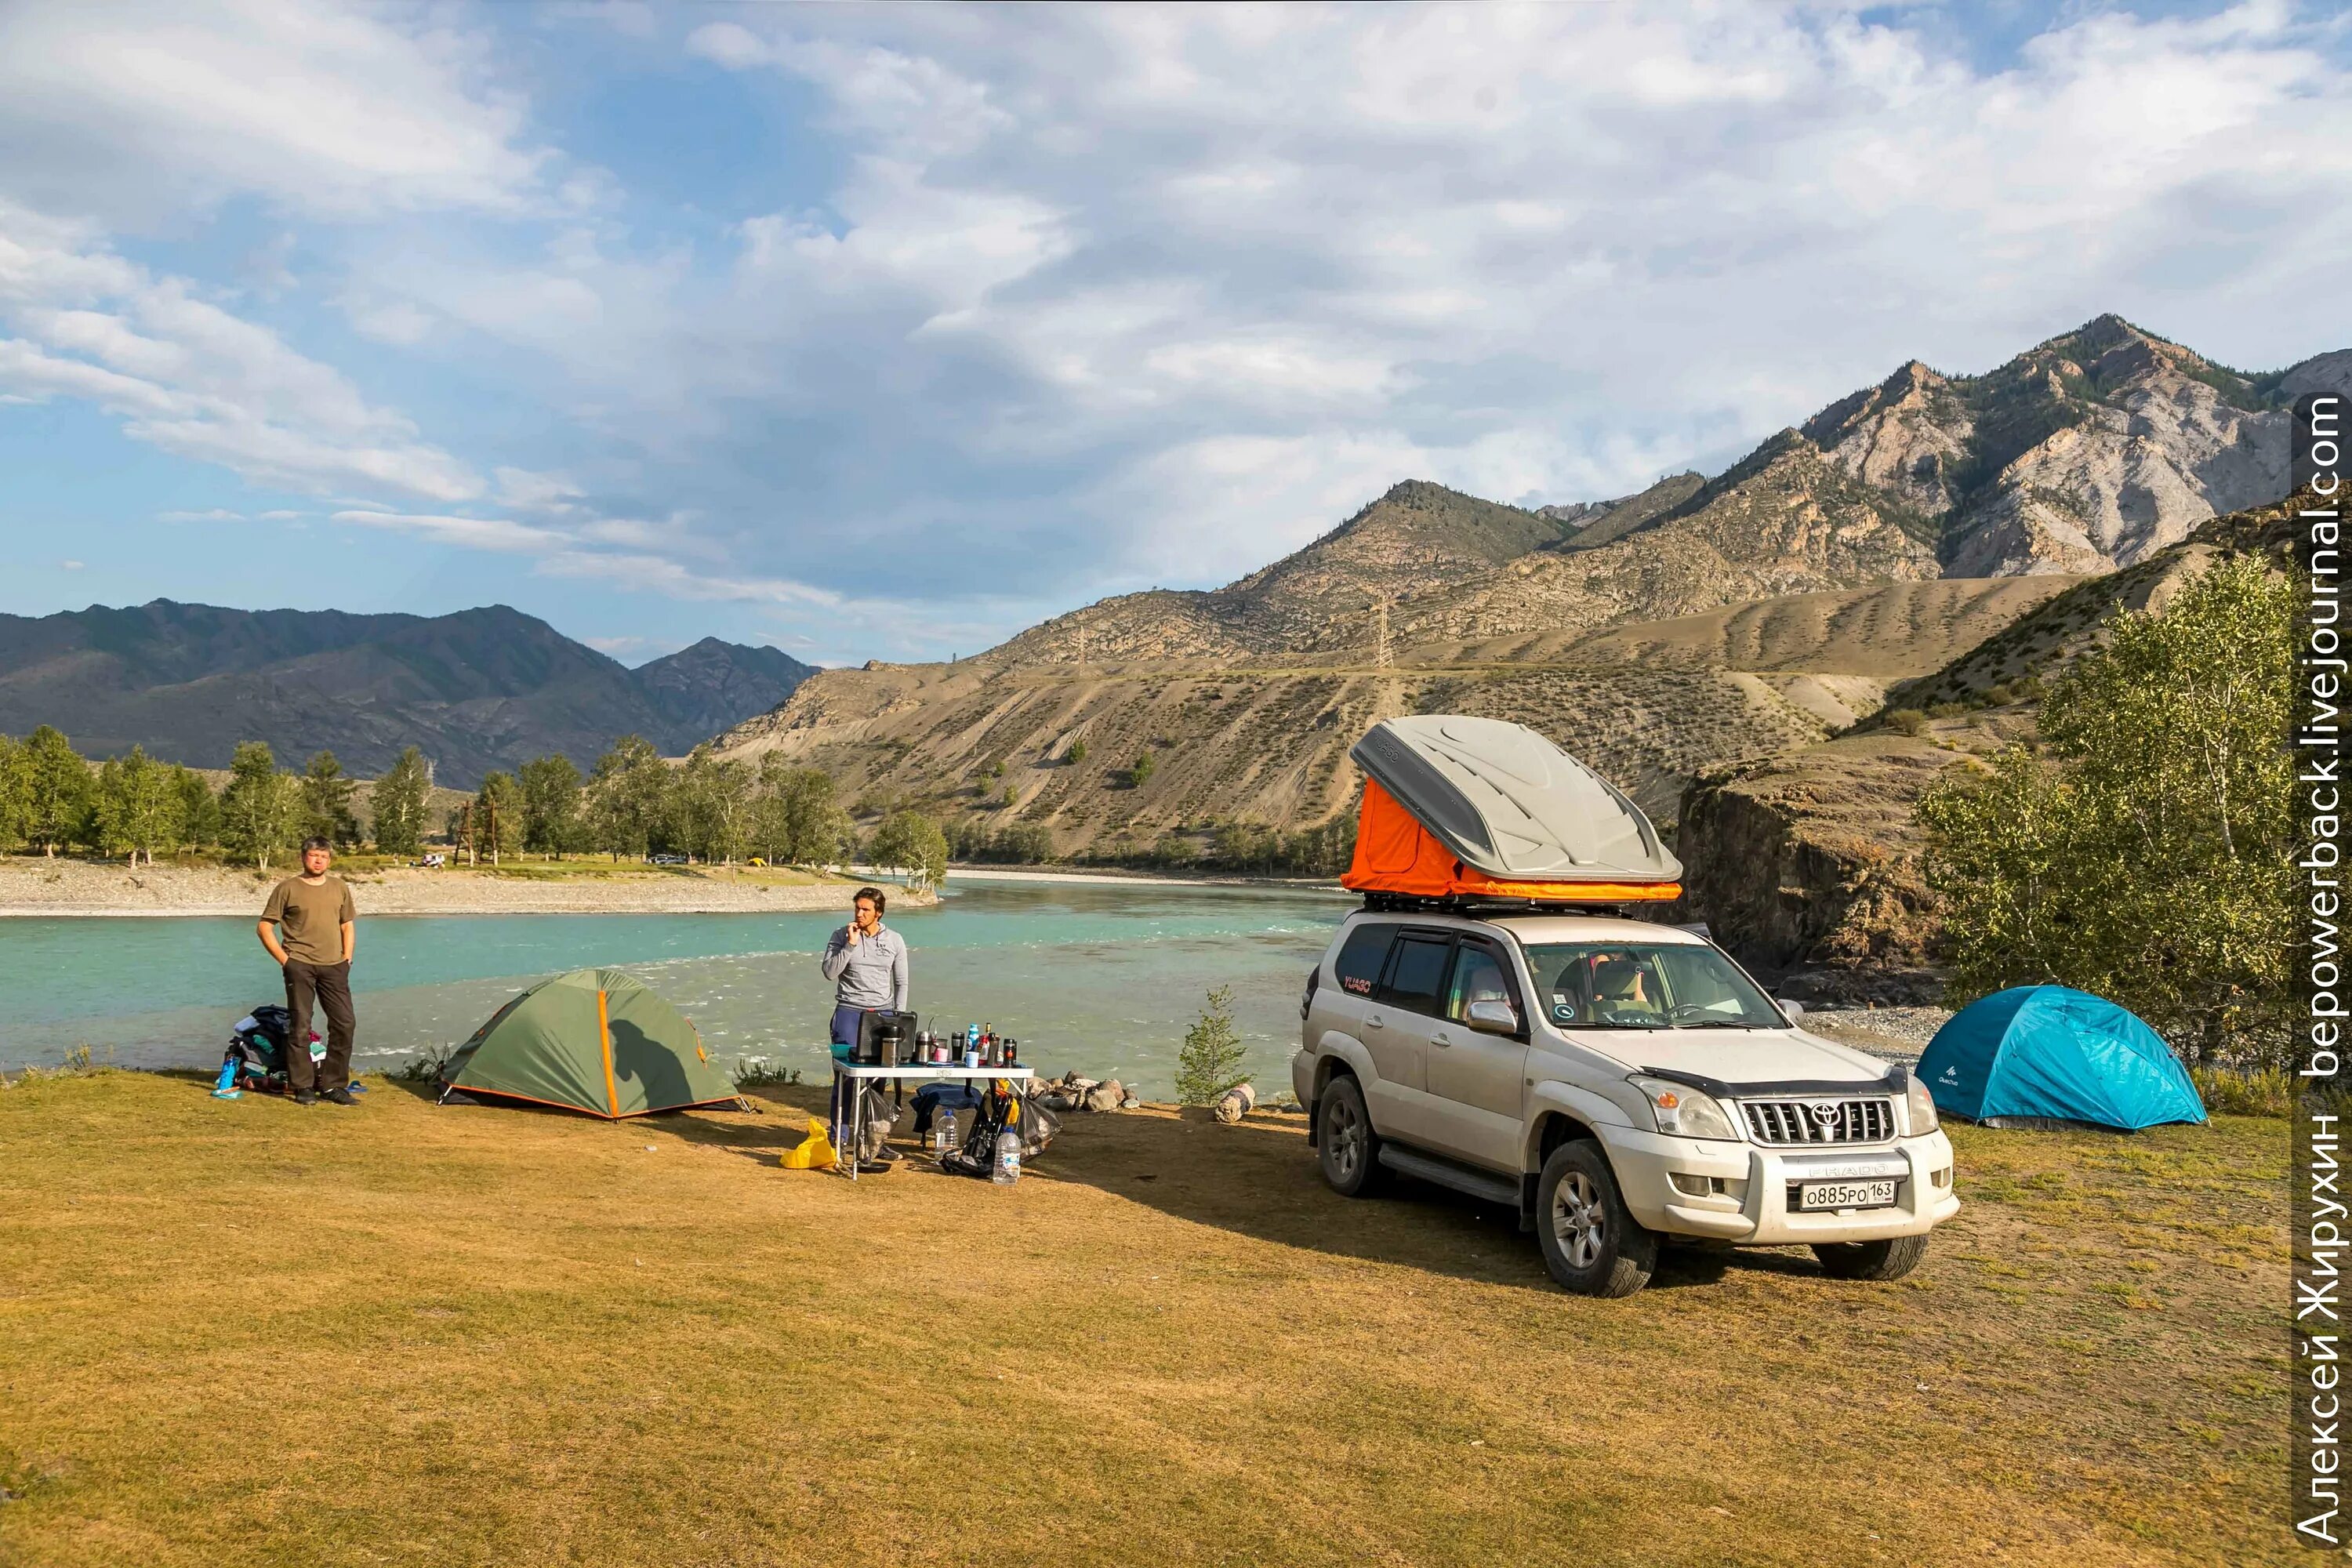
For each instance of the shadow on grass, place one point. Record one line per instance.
(1258, 1178)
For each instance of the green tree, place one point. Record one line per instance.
(1140, 774)
(629, 798)
(910, 842)
(136, 807)
(798, 817)
(2146, 855)
(57, 790)
(1077, 753)
(551, 805)
(1209, 1062)
(260, 808)
(327, 793)
(711, 805)
(15, 795)
(200, 817)
(498, 821)
(397, 803)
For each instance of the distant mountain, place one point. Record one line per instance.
(478, 689)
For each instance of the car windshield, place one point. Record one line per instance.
(1645, 985)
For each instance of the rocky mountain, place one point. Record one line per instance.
(2081, 455)
(478, 689)
(1699, 624)
(1810, 860)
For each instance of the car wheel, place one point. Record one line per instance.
(1888, 1259)
(1591, 1243)
(1346, 1141)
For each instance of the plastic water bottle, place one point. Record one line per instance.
(943, 1133)
(227, 1088)
(1007, 1167)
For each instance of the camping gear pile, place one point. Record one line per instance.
(1463, 810)
(256, 1057)
(596, 1040)
(2049, 1055)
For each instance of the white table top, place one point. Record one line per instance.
(929, 1069)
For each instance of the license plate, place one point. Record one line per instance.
(1845, 1194)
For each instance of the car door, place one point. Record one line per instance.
(1477, 1082)
(1396, 1027)
(1346, 1004)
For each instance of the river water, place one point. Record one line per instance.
(1104, 979)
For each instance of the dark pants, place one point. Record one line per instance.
(847, 1021)
(331, 984)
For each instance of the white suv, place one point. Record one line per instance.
(1619, 1083)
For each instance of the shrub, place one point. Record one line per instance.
(1906, 720)
(2264, 1091)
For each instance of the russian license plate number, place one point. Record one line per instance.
(1845, 1194)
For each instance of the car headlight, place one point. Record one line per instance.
(1919, 1108)
(1683, 1110)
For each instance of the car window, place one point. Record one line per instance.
(1646, 986)
(1477, 977)
(1362, 956)
(1417, 973)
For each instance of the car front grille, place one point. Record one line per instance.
(1787, 1122)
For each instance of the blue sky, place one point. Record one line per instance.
(882, 332)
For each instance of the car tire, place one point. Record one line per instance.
(1346, 1141)
(1592, 1244)
(1888, 1259)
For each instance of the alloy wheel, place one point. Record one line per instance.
(1577, 1220)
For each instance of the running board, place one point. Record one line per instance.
(1447, 1173)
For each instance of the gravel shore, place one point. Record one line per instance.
(1900, 1033)
(30, 886)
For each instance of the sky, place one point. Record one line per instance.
(881, 331)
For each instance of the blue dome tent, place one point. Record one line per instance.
(2036, 1052)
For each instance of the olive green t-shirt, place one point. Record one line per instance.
(310, 919)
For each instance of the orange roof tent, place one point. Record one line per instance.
(1457, 807)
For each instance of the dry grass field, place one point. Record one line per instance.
(254, 1334)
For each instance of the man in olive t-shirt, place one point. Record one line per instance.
(308, 927)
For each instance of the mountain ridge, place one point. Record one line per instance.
(2091, 450)
(475, 690)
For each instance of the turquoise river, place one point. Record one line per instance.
(1105, 979)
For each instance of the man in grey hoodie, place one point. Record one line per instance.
(866, 962)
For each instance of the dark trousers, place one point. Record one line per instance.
(331, 985)
(846, 1022)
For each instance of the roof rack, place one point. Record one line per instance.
(1474, 905)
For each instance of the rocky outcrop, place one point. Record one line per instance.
(1811, 862)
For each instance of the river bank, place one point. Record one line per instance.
(33, 886)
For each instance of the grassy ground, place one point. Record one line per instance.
(257, 1333)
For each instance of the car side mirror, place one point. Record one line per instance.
(1793, 1009)
(1494, 1017)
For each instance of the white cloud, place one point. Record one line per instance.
(188, 376)
(132, 110)
(70, 565)
(212, 514)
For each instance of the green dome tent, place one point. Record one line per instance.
(596, 1040)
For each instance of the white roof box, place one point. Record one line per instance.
(1507, 802)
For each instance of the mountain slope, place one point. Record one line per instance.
(477, 689)
(1813, 860)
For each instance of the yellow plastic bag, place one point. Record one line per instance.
(814, 1153)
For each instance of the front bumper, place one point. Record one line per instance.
(1747, 1201)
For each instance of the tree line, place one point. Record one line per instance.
(632, 804)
